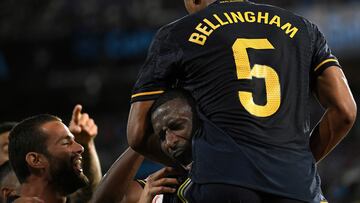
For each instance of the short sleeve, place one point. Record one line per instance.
(142, 183)
(159, 71)
(322, 57)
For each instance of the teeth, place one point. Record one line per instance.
(78, 165)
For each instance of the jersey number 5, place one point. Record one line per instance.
(244, 71)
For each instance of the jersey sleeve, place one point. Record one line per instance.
(142, 183)
(159, 71)
(322, 57)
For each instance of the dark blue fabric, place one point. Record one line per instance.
(219, 159)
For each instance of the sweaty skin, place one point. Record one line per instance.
(334, 94)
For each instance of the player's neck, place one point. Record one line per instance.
(38, 187)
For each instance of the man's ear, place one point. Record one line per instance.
(6, 192)
(197, 2)
(36, 160)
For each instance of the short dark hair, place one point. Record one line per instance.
(6, 126)
(175, 93)
(26, 137)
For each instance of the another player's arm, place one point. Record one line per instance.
(140, 134)
(159, 183)
(118, 184)
(335, 96)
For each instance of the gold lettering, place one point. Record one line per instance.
(220, 21)
(214, 27)
(288, 29)
(228, 18)
(198, 38)
(264, 17)
(275, 20)
(237, 16)
(250, 17)
(203, 29)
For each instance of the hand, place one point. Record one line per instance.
(29, 200)
(82, 126)
(159, 183)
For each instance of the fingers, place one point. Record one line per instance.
(94, 129)
(76, 113)
(159, 182)
(88, 124)
(164, 172)
(166, 181)
(161, 186)
(161, 190)
(84, 118)
(81, 125)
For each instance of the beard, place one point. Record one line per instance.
(64, 177)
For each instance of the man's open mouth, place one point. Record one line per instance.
(77, 164)
(177, 154)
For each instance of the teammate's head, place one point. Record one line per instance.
(4, 140)
(174, 120)
(193, 6)
(9, 184)
(44, 146)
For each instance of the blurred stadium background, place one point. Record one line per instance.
(54, 54)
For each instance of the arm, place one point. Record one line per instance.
(159, 183)
(118, 184)
(28, 200)
(334, 94)
(85, 130)
(139, 133)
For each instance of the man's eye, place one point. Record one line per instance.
(162, 135)
(175, 126)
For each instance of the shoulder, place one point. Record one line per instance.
(309, 26)
(282, 11)
(167, 30)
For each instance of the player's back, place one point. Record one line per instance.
(249, 67)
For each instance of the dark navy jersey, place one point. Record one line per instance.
(251, 69)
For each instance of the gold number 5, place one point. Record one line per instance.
(244, 71)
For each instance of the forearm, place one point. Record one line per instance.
(335, 96)
(151, 148)
(92, 165)
(92, 170)
(140, 134)
(115, 183)
(333, 127)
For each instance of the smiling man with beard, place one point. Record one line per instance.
(47, 160)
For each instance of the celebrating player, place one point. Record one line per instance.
(251, 69)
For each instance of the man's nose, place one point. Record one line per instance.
(171, 139)
(78, 148)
